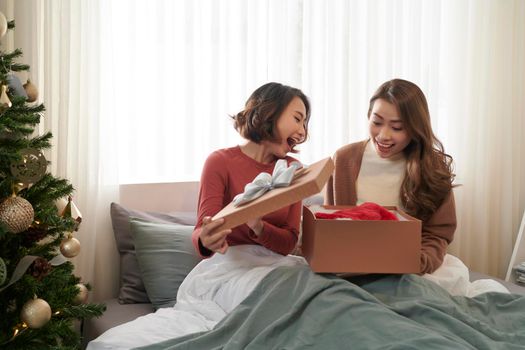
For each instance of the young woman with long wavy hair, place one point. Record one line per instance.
(403, 164)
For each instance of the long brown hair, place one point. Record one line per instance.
(262, 110)
(429, 174)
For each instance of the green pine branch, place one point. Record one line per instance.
(84, 311)
(47, 190)
(20, 117)
(3, 231)
(41, 142)
(9, 57)
(7, 61)
(57, 334)
(17, 67)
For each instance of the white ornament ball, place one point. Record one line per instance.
(17, 214)
(36, 313)
(82, 295)
(70, 247)
(3, 25)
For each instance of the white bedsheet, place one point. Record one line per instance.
(453, 276)
(210, 291)
(217, 285)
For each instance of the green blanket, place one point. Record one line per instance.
(294, 308)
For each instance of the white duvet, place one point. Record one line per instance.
(217, 285)
(210, 291)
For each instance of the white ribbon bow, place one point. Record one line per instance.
(282, 177)
(24, 264)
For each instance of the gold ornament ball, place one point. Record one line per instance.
(36, 313)
(82, 295)
(31, 91)
(17, 214)
(31, 168)
(70, 247)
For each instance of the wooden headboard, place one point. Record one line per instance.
(161, 197)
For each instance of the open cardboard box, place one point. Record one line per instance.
(362, 246)
(338, 246)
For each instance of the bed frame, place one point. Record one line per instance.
(170, 197)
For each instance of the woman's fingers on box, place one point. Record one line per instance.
(223, 248)
(220, 246)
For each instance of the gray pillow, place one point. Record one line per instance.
(131, 286)
(166, 255)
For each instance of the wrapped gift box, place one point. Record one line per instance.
(309, 181)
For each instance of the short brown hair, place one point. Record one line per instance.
(262, 110)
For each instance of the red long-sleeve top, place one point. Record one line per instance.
(224, 175)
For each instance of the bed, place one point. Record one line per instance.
(253, 298)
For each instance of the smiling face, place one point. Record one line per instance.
(387, 131)
(290, 128)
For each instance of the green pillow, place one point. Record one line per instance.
(165, 254)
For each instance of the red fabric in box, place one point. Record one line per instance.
(365, 211)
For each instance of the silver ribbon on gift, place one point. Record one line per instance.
(282, 176)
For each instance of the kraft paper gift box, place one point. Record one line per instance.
(309, 181)
(362, 246)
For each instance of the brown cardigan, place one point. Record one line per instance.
(437, 231)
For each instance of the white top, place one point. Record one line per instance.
(380, 179)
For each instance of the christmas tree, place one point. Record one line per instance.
(40, 297)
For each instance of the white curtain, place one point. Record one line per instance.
(61, 40)
(140, 91)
